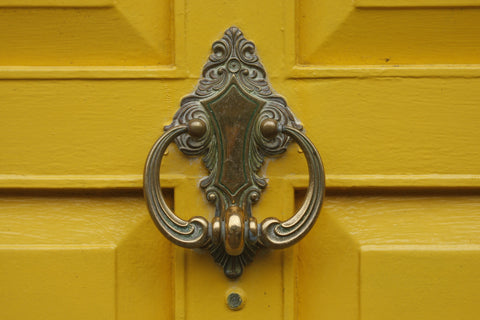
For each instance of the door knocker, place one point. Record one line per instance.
(234, 120)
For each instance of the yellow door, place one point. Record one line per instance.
(388, 91)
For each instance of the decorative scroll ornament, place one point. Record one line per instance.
(234, 120)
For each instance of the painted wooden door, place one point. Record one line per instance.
(388, 90)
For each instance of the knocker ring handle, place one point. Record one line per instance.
(194, 233)
(276, 234)
(188, 234)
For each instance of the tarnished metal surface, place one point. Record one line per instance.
(234, 120)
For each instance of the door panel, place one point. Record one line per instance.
(388, 32)
(386, 90)
(405, 255)
(82, 255)
(84, 33)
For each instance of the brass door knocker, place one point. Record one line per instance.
(234, 120)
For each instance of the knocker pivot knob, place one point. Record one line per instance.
(197, 128)
(269, 128)
(233, 120)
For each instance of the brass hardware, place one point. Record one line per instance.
(269, 128)
(197, 128)
(233, 119)
(235, 299)
(234, 230)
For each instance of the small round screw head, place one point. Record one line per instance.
(255, 196)
(197, 128)
(269, 128)
(235, 301)
(211, 196)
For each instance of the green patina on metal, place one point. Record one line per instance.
(233, 120)
(243, 114)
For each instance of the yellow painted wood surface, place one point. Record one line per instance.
(383, 124)
(84, 33)
(82, 128)
(83, 256)
(410, 256)
(387, 90)
(387, 32)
